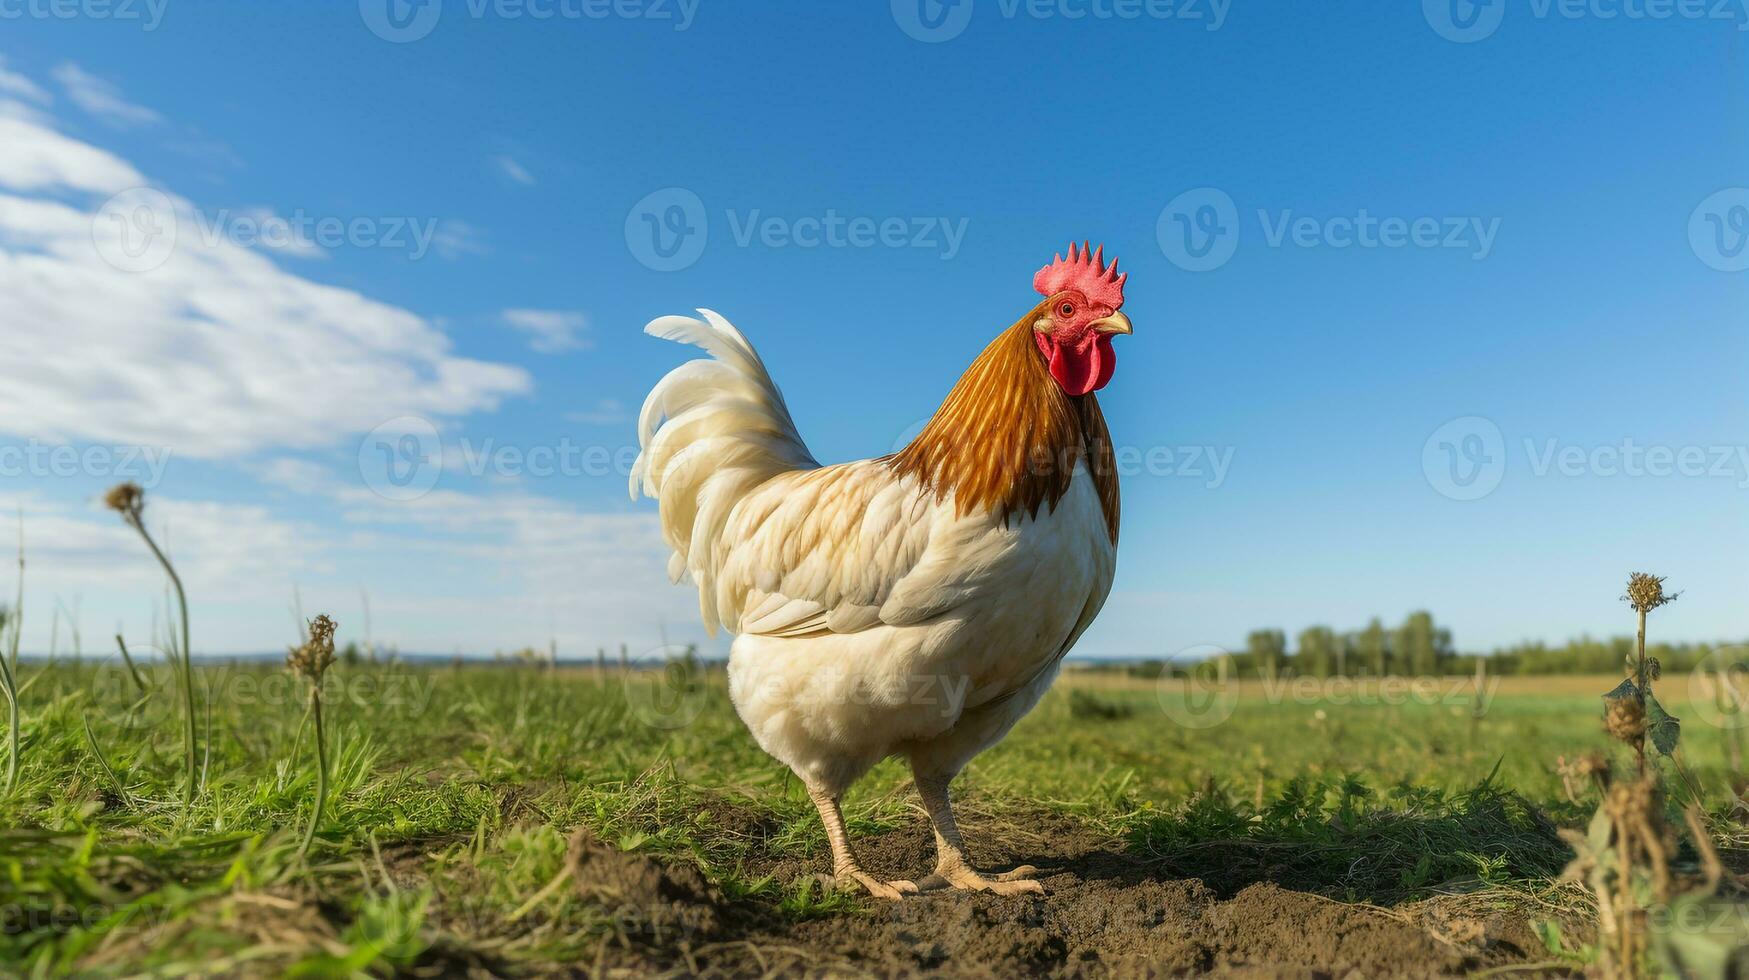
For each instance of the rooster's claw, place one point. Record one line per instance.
(892, 890)
(1016, 882)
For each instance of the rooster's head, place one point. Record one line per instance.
(1075, 325)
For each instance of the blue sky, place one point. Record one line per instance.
(1460, 323)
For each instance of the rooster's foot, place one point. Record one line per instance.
(853, 878)
(1016, 882)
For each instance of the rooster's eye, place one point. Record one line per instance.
(1067, 309)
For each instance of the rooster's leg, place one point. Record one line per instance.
(844, 865)
(951, 865)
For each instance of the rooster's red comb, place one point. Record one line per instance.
(1084, 269)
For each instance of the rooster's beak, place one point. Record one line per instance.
(1115, 323)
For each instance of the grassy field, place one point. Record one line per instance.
(448, 846)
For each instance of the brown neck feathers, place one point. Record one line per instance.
(1007, 438)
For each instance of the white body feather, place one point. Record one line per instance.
(871, 619)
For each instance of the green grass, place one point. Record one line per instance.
(454, 792)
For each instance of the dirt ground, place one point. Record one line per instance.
(1105, 914)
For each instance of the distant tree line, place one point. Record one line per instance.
(1419, 646)
(1592, 656)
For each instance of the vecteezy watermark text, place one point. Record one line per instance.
(404, 21)
(1467, 459)
(1365, 230)
(139, 229)
(117, 693)
(680, 12)
(403, 459)
(1468, 21)
(147, 13)
(833, 230)
(304, 232)
(667, 230)
(1200, 230)
(935, 21)
(837, 685)
(143, 465)
(1205, 693)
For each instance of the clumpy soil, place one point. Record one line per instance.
(1106, 914)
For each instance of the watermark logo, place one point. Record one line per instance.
(935, 21)
(1718, 230)
(404, 21)
(666, 686)
(136, 230)
(1204, 695)
(909, 434)
(1464, 21)
(763, 687)
(401, 459)
(305, 234)
(1718, 688)
(1465, 459)
(833, 230)
(139, 229)
(667, 229)
(1199, 229)
(1341, 691)
(144, 694)
(30, 916)
(1207, 464)
(1468, 21)
(401, 21)
(932, 21)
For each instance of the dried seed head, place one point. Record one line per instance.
(1625, 719)
(1646, 592)
(322, 631)
(126, 499)
(313, 658)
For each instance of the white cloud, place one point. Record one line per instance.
(301, 475)
(100, 98)
(227, 555)
(520, 559)
(277, 234)
(14, 84)
(484, 571)
(448, 571)
(217, 352)
(513, 170)
(549, 331)
(34, 157)
(455, 239)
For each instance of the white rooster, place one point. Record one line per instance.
(917, 604)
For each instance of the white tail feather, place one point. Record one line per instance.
(710, 432)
